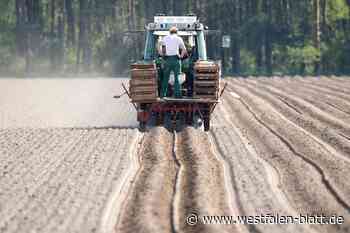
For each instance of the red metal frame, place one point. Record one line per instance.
(173, 108)
(143, 115)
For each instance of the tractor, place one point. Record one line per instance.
(200, 77)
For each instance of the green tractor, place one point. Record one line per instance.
(199, 78)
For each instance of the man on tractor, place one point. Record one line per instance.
(171, 45)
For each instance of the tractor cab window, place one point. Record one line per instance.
(189, 42)
(192, 40)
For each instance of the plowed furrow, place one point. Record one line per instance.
(342, 108)
(308, 108)
(49, 198)
(306, 144)
(344, 136)
(313, 83)
(334, 84)
(68, 188)
(180, 175)
(256, 183)
(319, 96)
(322, 81)
(20, 145)
(201, 184)
(149, 204)
(290, 105)
(345, 79)
(327, 183)
(317, 99)
(88, 180)
(313, 125)
(327, 88)
(302, 190)
(25, 194)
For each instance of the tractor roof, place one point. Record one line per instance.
(180, 33)
(183, 23)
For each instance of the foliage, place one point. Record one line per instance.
(302, 59)
(268, 36)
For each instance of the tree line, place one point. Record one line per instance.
(268, 37)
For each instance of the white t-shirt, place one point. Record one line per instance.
(172, 44)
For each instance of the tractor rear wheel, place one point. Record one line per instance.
(160, 119)
(142, 126)
(189, 118)
(206, 124)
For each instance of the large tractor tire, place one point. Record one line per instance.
(189, 118)
(160, 119)
(206, 124)
(142, 126)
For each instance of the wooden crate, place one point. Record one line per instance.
(206, 92)
(143, 83)
(143, 95)
(143, 73)
(206, 89)
(205, 86)
(206, 67)
(152, 88)
(199, 91)
(207, 76)
(143, 66)
(145, 98)
(212, 96)
(206, 83)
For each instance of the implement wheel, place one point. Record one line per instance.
(160, 119)
(206, 124)
(206, 118)
(142, 126)
(189, 118)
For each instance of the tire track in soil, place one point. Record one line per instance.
(308, 194)
(179, 176)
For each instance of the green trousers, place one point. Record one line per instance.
(172, 63)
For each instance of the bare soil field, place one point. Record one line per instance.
(278, 145)
(63, 102)
(71, 159)
(62, 180)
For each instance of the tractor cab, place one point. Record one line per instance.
(199, 79)
(191, 31)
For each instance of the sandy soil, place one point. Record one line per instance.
(180, 175)
(290, 134)
(278, 145)
(64, 103)
(71, 160)
(61, 180)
